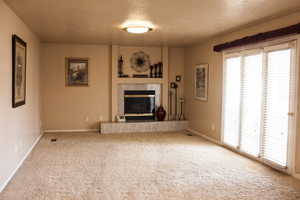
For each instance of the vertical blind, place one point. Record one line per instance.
(276, 108)
(251, 103)
(258, 96)
(232, 102)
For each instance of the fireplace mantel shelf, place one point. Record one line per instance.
(139, 80)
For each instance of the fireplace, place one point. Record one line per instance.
(139, 105)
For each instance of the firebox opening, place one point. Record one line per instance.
(139, 105)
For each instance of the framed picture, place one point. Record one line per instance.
(201, 82)
(77, 72)
(19, 59)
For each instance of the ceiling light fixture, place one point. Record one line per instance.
(137, 29)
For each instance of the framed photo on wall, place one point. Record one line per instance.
(77, 71)
(19, 52)
(201, 82)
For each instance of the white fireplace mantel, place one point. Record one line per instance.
(116, 81)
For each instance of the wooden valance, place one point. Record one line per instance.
(260, 37)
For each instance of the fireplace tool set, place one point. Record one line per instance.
(175, 116)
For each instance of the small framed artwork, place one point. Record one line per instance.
(19, 52)
(201, 82)
(77, 71)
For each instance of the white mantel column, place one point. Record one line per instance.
(165, 85)
(114, 77)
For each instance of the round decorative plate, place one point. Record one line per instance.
(140, 61)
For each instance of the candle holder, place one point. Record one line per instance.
(120, 66)
(160, 68)
(151, 71)
(155, 71)
(181, 115)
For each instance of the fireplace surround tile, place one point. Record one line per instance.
(137, 86)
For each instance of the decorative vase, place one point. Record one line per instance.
(160, 113)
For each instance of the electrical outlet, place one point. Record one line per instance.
(100, 118)
(86, 119)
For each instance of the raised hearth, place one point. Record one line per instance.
(131, 127)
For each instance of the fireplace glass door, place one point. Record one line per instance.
(139, 104)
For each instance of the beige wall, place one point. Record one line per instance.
(74, 108)
(79, 108)
(205, 117)
(19, 127)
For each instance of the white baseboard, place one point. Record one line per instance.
(204, 136)
(20, 163)
(71, 131)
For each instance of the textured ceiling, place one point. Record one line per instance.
(175, 22)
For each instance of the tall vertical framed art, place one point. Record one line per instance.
(19, 53)
(201, 82)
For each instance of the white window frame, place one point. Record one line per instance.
(251, 49)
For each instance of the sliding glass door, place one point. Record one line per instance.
(277, 104)
(251, 104)
(232, 101)
(258, 110)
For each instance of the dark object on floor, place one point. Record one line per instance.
(53, 140)
(189, 134)
(160, 113)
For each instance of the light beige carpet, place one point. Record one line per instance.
(145, 166)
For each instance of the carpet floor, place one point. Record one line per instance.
(144, 166)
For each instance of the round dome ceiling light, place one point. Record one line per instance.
(137, 29)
